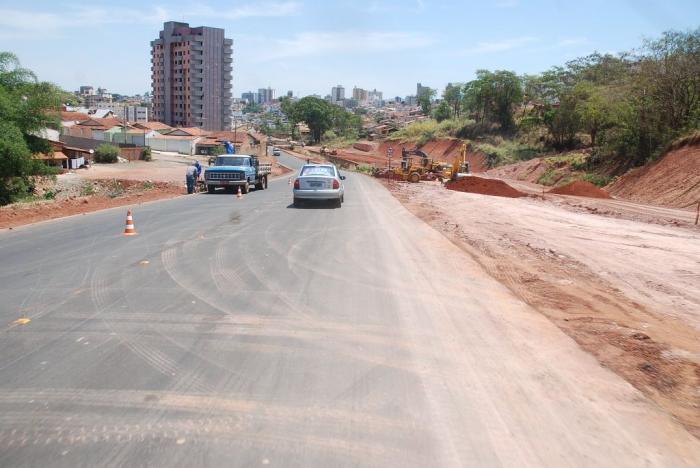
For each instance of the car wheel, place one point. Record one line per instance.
(245, 188)
(338, 203)
(211, 188)
(296, 203)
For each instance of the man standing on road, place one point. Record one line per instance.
(191, 177)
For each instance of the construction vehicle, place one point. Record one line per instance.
(416, 166)
(460, 165)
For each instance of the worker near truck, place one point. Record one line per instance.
(191, 177)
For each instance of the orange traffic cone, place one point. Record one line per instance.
(239, 194)
(129, 230)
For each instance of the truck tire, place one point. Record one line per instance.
(211, 188)
(262, 185)
(245, 188)
(414, 177)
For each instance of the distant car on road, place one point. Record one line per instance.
(275, 151)
(319, 182)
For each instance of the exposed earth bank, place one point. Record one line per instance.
(628, 292)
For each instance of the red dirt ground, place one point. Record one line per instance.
(580, 188)
(483, 186)
(20, 214)
(673, 181)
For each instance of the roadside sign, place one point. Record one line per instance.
(390, 152)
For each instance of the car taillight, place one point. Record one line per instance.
(296, 183)
(336, 184)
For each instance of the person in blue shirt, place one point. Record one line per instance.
(198, 167)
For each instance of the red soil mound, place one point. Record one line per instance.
(363, 147)
(672, 181)
(483, 186)
(580, 188)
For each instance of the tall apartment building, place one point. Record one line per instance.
(191, 78)
(360, 95)
(265, 95)
(375, 96)
(250, 97)
(337, 93)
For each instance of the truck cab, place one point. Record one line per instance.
(237, 170)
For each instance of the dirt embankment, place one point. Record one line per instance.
(483, 186)
(375, 154)
(672, 181)
(96, 195)
(627, 292)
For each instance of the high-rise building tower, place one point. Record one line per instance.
(191, 78)
(337, 93)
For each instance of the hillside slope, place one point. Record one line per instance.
(673, 181)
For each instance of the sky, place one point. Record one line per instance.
(308, 46)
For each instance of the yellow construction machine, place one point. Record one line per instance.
(416, 166)
(460, 166)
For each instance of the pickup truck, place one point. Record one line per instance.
(242, 170)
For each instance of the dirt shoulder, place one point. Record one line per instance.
(627, 291)
(87, 196)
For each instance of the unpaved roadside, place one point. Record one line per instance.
(107, 194)
(628, 292)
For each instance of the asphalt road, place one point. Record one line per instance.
(244, 332)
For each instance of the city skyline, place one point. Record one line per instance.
(308, 46)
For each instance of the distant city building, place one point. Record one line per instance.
(191, 78)
(411, 101)
(290, 94)
(266, 95)
(337, 93)
(375, 96)
(250, 97)
(360, 95)
(420, 89)
(92, 99)
(130, 113)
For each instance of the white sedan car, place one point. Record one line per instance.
(319, 182)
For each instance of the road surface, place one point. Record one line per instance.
(244, 332)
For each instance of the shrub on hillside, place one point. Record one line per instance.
(146, 154)
(106, 153)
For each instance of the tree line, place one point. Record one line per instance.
(629, 106)
(321, 117)
(27, 107)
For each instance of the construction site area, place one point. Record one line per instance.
(616, 268)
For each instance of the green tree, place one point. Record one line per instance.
(453, 97)
(106, 153)
(425, 100)
(316, 113)
(593, 109)
(493, 97)
(442, 112)
(26, 108)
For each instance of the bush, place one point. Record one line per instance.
(106, 153)
(50, 195)
(597, 179)
(87, 189)
(115, 189)
(146, 154)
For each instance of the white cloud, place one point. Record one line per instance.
(265, 9)
(572, 41)
(502, 45)
(25, 23)
(346, 42)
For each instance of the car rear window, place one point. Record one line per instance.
(318, 171)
